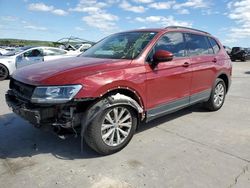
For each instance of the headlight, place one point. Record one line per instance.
(55, 94)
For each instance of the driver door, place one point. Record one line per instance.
(168, 83)
(29, 57)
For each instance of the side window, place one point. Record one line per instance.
(52, 52)
(197, 45)
(214, 45)
(33, 53)
(172, 42)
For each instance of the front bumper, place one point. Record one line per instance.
(34, 114)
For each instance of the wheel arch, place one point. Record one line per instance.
(109, 99)
(7, 68)
(128, 92)
(225, 78)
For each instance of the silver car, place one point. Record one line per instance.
(29, 55)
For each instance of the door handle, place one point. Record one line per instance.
(186, 64)
(214, 60)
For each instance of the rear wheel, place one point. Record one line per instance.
(4, 73)
(112, 130)
(217, 97)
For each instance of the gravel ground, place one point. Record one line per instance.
(190, 148)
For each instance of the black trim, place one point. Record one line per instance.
(176, 105)
(201, 96)
(188, 28)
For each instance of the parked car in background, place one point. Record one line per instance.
(8, 48)
(125, 79)
(238, 53)
(3, 51)
(228, 49)
(78, 48)
(74, 44)
(24, 56)
(248, 53)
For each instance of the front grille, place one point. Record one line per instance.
(21, 90)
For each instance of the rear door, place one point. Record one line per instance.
(168, 84)
(203, 61)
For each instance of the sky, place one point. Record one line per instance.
(228, 20)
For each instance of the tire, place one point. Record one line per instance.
(106, 137)
(217, 97)
(4, 72)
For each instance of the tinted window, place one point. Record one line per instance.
(33, 53)
(172, 42)
(52, 52)
(197, 45)
(214, 45)
(235, 49)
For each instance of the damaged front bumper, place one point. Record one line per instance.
(61, 116)
(33, 114)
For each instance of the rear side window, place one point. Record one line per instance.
(214, 45)
(172, 42)
(197, 45)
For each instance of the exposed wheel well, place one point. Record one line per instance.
(84, 105)
(128, 93)
(225, 79)
(132, 95)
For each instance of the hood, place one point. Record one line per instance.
(66, 71)
(7, 58)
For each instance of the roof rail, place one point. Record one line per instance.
(181, 27)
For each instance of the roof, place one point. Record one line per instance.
(171, 28)
(187, 28)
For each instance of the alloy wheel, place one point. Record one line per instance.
(116, 126)
(219, 94)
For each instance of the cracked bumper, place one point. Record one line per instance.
(34, 115)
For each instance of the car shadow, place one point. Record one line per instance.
(170, 117)
(247, 72)
(20, 139)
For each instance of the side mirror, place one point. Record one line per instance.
(162, 56)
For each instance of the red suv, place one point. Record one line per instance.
(125, 79)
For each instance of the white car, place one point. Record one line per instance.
(78, 48)
(29, 55)
(3, 51)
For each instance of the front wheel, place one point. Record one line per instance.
(4, 73)
(217, 97)
(112, 130)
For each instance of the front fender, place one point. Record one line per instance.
(96, 109)
(9, 65)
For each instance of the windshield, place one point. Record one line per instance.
(16, 51)
(121, 46)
